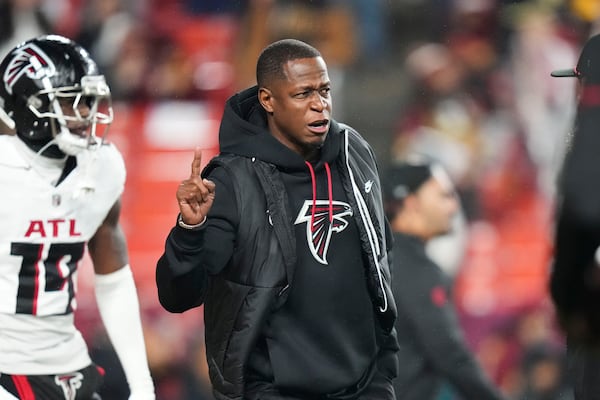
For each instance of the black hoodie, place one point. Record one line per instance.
(323, 338)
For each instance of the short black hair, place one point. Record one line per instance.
(272, 58)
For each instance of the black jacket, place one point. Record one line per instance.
(432, 348)
(246, 277)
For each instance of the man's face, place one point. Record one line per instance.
(438, 204)
(300, 106)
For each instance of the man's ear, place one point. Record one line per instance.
(265, 97)
(411, 202)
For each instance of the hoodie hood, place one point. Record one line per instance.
(244, 132)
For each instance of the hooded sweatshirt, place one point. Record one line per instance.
(323, 338)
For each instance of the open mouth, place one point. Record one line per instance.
(78, 132)
(320, 125)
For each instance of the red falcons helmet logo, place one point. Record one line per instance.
(318, 234)
(29, 60)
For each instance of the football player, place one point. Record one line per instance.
(61, 186)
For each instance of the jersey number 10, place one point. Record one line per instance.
(57, 275)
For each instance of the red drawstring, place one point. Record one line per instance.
(314, 191)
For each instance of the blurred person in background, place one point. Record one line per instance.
(105, 26)
(62, 184)
(284, 240)
(543, 106)
(543, 374)
(421, 203)
(128, 75)
(575, 276)
(442, 119)
(21, 20)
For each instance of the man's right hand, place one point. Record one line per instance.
(195, 195)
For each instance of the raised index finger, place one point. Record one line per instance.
(197, 162)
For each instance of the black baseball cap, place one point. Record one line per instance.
(401, 180)
(588, 65)
(406, 177)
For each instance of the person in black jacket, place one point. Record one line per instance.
(421, 202)
(283, 239)
(575, 274)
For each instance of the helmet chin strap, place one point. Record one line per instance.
(40, 151)
(45, 147)
(68, 143)
(8, 121)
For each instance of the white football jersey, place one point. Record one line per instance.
(44, 230)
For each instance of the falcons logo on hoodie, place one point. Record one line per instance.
(318, 233)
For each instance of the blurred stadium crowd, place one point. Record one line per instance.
(465, 81)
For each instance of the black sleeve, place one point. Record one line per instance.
(575, 279)
(575, 276)
(190, 256)
(575, 246)
(580, 172)
(422, 297)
